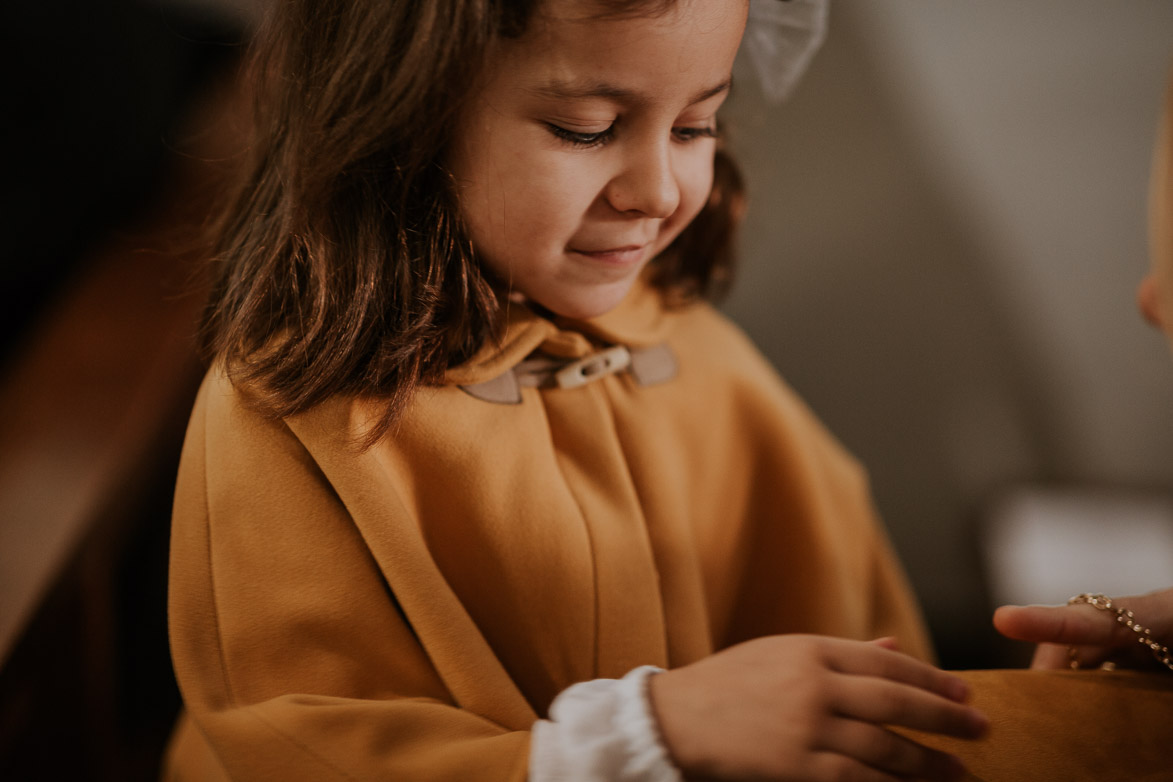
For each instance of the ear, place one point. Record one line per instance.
(1148, 299)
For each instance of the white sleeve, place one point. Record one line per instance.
(602, 731)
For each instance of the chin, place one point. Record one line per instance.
(587, 307)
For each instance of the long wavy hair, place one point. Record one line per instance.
(340, 262)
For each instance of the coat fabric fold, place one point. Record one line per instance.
(409, 610)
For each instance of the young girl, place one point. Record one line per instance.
(474, 466)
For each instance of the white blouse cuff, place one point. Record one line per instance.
(602, 730)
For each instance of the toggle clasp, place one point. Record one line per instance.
(583, 371)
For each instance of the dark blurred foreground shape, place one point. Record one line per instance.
(124, 126)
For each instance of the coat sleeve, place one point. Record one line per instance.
(815, 556)
(895, 610)
(292, 656)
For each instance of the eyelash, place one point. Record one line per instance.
(590, 140)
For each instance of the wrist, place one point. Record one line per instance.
(602, 729)
(668, 714)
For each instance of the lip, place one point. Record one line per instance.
(620, 256)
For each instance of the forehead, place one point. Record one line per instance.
(574, 44)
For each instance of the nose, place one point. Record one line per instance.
(647, 184)
(1149, 300)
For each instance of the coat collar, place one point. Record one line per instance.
(642, 319)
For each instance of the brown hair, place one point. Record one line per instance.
(341, 264)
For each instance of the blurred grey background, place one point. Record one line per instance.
(947, 226)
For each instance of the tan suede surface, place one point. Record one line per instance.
(408, 611)
(1069, 726)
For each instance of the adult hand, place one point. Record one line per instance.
(1095, 635)
(801, 707)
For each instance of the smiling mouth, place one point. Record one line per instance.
(621, 256)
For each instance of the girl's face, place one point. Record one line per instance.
(590, 146)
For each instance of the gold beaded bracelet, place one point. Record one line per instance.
(1126, 618)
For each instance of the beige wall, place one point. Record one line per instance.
(946, 231)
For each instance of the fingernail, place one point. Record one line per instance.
(954, 768)
(958, 690)
(978, 723)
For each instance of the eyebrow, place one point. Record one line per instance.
(562, 90)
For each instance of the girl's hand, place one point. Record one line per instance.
(1095, 634)
(801, 707)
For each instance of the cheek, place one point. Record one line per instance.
(559, 181)
(543, 198)
(521, 203)
(524, 171)
(696, 182)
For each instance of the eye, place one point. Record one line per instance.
(585, 140)
(687, 134)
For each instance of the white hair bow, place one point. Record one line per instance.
(781, 38)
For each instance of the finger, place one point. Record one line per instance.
(887, 642)
(886, 702)
(841, 768)
(1056, 624)
(1050, 657)
(888, 752)
(1155, 610)
(873, 660)
(1053, 657)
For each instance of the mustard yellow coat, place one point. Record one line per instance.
(408, 611)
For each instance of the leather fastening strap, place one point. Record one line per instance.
(647, 366)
